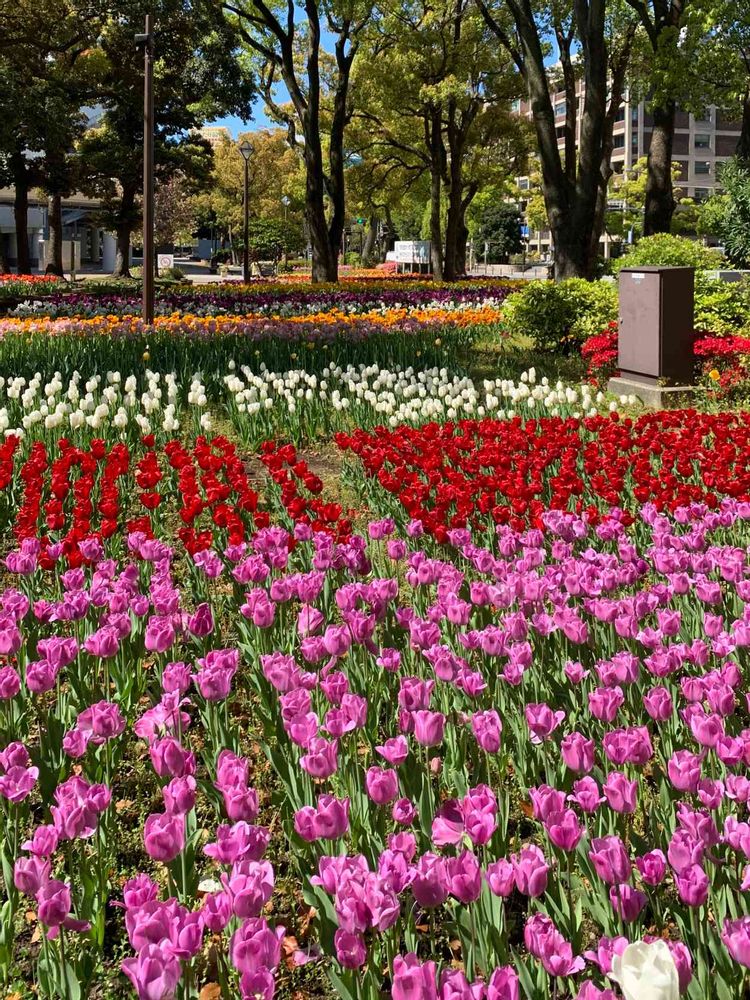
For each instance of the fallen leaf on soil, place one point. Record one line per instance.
(306, 920)
(289, 946)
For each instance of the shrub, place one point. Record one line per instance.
(735, 224)
(670, 251)
(600, 353)
(722, 307)
(725, 363)
(558, 316)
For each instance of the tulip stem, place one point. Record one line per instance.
(63, 965)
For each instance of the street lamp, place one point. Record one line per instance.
(246, 149)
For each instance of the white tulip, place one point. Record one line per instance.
(646, 972)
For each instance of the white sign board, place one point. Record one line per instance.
(164, 261)
(412, 251)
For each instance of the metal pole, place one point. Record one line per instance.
(148, 173)
(246, 247)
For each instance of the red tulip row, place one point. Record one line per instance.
(508, 472)
(75, 493)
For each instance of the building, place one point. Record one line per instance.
(93, 248)
(215, 135)
(701, 144)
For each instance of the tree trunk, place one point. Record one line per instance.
(325, 265)
(660, 203)
(453, 233)
(463, 237)
(21, 211)
(56, 235)
(572, 253)
(368, 247)
(743, 143)
(123, 231)
(434, 134)
(122, 251)
(436, 236)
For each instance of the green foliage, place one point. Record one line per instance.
(722, 307)
(734, 228)
(271, 239)
(666, 250)
(560, 315)
(499, 227)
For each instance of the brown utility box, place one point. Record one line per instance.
(656, 326)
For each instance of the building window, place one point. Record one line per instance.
(619, 141)
(704, 115)
(634, 114)
(700, 194)
(516, 106)
(620, 117)
(523, 183)
(702, 140)
(560, 109)
(560, 130)
(702, 167)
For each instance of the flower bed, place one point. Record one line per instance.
(67, 500)
(488, 471)
(14, 286)
(488, 767)
(270, 299)
(186, 344)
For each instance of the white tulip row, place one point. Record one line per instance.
(263, 403)
(373, 394)
(97, 403)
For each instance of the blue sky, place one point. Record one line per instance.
(235, 125)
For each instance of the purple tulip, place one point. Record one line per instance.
(351, 951)
(542, 721)
(464, 877)
(531, 870)
(412, 979)
(652, 866)
(503, 984)
(736, 938)
(610, 859)
(620, 793)
(693, 885)
(381, 785)
(428, 727)
(430, 883)
(164, 836)
(154, 973)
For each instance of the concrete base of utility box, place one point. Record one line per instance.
(660, 397)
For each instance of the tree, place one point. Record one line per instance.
(174, 211)
(198, 77)
(272, 239)
(45, 75)
(276, 184)
(433, 101)
(573, 183)
(734, 224)
(719, 59)
(631, 188)
(676, 32)
(500, 228)
(289, 48)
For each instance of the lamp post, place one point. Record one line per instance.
(246, 149)
(146, 41)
